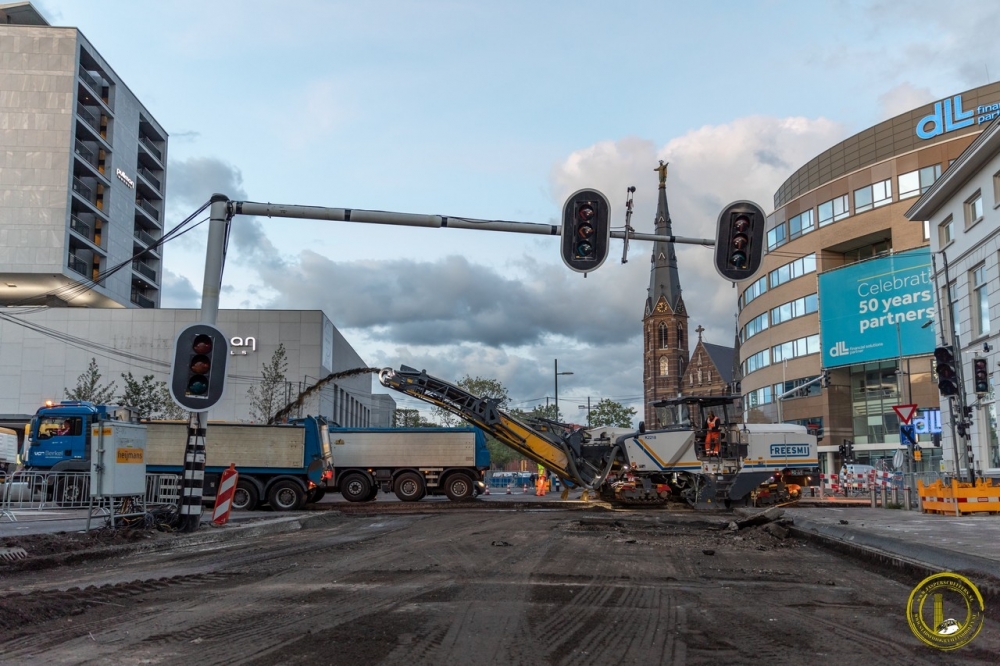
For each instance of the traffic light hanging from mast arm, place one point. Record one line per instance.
(586, 230)
(739, 243)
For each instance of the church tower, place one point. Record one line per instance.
(665, 320)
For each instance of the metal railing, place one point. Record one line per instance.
(91, 119)
(84, 190)
(149, 208)
(145, 269)
(142, 301)
(148, 143)
(79, 265)
(81, 227)
(38, 495)
(89, 79)
(148, 175)
(144, 237)
(86, 153)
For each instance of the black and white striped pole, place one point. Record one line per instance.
(198, 373)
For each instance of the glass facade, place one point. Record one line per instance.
(874, 392)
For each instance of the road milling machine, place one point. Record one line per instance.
(675, 463)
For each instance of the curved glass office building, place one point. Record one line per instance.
(846, 286)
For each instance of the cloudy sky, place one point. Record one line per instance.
(500, 110)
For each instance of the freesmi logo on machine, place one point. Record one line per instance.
(789, 450)
(949, 116)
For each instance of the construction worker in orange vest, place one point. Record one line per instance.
(541, 482)
(714, 436)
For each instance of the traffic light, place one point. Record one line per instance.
(843, 451)
(944, 356)
(586, 230)
(962, 428)
(739, 243)
(825, 382)
(198, 375)
(849, 447)
(982, 375)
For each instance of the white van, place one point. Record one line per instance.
(856, 471)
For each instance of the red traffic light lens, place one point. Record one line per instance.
(585, 213)
(741, 224)
(202, 344)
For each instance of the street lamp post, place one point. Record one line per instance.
(557, 373)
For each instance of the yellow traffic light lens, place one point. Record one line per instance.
(585, 231)
(740, 241)
(200, 364)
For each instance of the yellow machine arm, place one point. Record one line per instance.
(561, 454)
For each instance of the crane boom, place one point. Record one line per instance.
(562, 454)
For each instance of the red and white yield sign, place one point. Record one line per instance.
(904, 412)
(224, 495)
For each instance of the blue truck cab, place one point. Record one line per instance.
(59, 436)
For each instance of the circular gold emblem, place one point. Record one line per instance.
(945, 611)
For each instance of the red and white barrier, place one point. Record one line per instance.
(224, 495)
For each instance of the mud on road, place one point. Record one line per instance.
(483, 587)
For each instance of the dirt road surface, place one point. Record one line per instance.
(546, 586)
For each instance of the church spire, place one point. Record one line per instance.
(664, 280)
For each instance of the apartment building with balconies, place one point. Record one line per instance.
(82, 173)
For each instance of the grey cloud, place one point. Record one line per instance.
(178, 292)
(194, 180)
(770, 159)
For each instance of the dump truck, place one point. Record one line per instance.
(410, 462)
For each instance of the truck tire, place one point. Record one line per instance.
(246, 497)
(459, 488)
(286, 495)
(356, 487)
(315, 495)
(72, 493)
(409, 487)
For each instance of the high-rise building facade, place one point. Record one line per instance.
(847, 206)
(82, 172)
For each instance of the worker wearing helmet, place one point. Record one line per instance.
(714, 436)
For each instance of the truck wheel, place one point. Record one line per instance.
(356, 488)
(459, 488)
(315, 495)
(409, 487)
(71, 493)
(286, 496)
(245, 497)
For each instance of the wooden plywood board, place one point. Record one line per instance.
(247, 446)
(403, 449)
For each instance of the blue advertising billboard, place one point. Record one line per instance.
(877, 309)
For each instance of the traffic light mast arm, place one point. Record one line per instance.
(545, 448)
(430, 221)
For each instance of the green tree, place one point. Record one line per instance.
(89, 387)
(168, 408)
(268, 396)
(610, 413)
(482, 387)
(411, 418)
(149, 398)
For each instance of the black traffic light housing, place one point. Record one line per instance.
(198, 374)
(981, 373)
(586, 230)
(944, 357)
(739, 243)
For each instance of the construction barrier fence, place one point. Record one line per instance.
(45, 492)
(956, 497)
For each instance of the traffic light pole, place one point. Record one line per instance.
(193, 479)
(432, 221)
(959, 370)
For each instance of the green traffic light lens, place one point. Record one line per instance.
(197, 385)
(584, 250)
(738, 260)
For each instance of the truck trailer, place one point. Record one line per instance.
(410, 462)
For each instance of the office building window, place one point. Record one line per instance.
(793, 269)
(776, 237)
(867, 251)
(753, 327)
(996, 189)
(973, 209)
(761, 396)
(874, 391)
(761, 359)
(795, 348)
(873, 196)
(753, 291)
(946, 231)
(980, 301)
(797, 308)
(800, 224)
(833, 210)
(917, 182)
